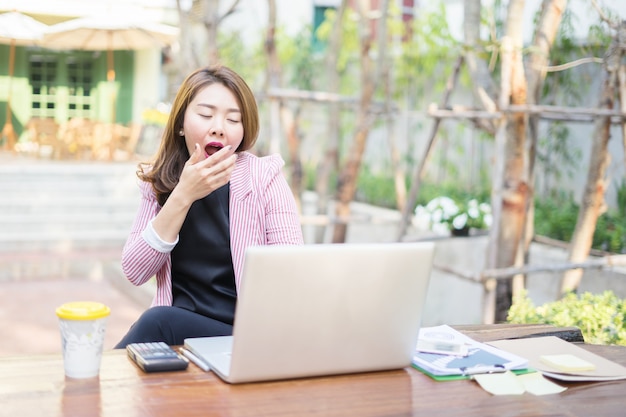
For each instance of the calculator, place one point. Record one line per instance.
(156, 357)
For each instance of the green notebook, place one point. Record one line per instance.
(459, 377)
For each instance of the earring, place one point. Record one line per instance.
(181, 132)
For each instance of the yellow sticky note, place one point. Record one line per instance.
(537, 384)
(567, 363)
(505, 383)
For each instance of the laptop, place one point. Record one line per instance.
(322, 309)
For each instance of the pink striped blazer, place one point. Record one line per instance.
(262, 212)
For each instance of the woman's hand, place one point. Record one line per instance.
(201, 176)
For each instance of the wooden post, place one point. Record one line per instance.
(489, 296)
(8, 132)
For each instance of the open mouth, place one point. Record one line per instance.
(212, 147)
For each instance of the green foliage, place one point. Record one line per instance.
(600, 317)
(610, 234)
(565, 87)
(621, 196)
(375, 188)
(429, 191)
(247, 60)
(297, 59)
(348, 57)
(556, 217)
(379, 188)
(556, 153)
(427, 57)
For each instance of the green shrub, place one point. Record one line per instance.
(556, 218)
(600, 317)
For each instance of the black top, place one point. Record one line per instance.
(203, 279)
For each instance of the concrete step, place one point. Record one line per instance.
(60, 219)
(66, 205)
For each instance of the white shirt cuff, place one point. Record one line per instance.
(154, 240)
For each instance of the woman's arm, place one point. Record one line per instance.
(282, 221)
(140, 260)
(155, 230)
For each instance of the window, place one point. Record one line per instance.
(80, 85)
(319, 15)
(43, 78)
(63, 85)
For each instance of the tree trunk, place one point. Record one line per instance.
(186, 60)
(346, 188)
(211, 19)
(199, 51)
(538, 60)
(490, 285)
(484, 88)
(593, 204)
(399, 171)
(514, 167)
(622, 100)
(484, 91)
(330, 161)
(290, 122)
(514, 182)
(273, 78)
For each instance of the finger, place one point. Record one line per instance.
(196, 156)
(227, 164)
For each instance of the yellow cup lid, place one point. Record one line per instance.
(83, 310)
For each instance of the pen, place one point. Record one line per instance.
(475, 370)
(193, 358)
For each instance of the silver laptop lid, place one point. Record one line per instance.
(328, 309)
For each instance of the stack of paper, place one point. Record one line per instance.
(474, 358)
(562, 360)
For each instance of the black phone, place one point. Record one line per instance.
(156, 357)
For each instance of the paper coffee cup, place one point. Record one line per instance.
(82, 325)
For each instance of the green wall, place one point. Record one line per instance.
(101, 110)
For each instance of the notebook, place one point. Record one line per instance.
(322, 309)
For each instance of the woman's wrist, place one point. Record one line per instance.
(155, 241)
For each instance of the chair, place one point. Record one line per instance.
(126, 138)
(115, 141)
(78, 137)
(43, 132)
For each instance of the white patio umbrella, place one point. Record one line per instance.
(109, 33)
(16, 29)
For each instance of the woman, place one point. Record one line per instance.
(205, 199)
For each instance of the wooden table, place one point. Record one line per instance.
(36, 386)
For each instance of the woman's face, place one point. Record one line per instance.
(213, 120)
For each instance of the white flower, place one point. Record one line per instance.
(473, 209)
(422, 218)
(445, 205)
(442, 214)
(460, 221)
